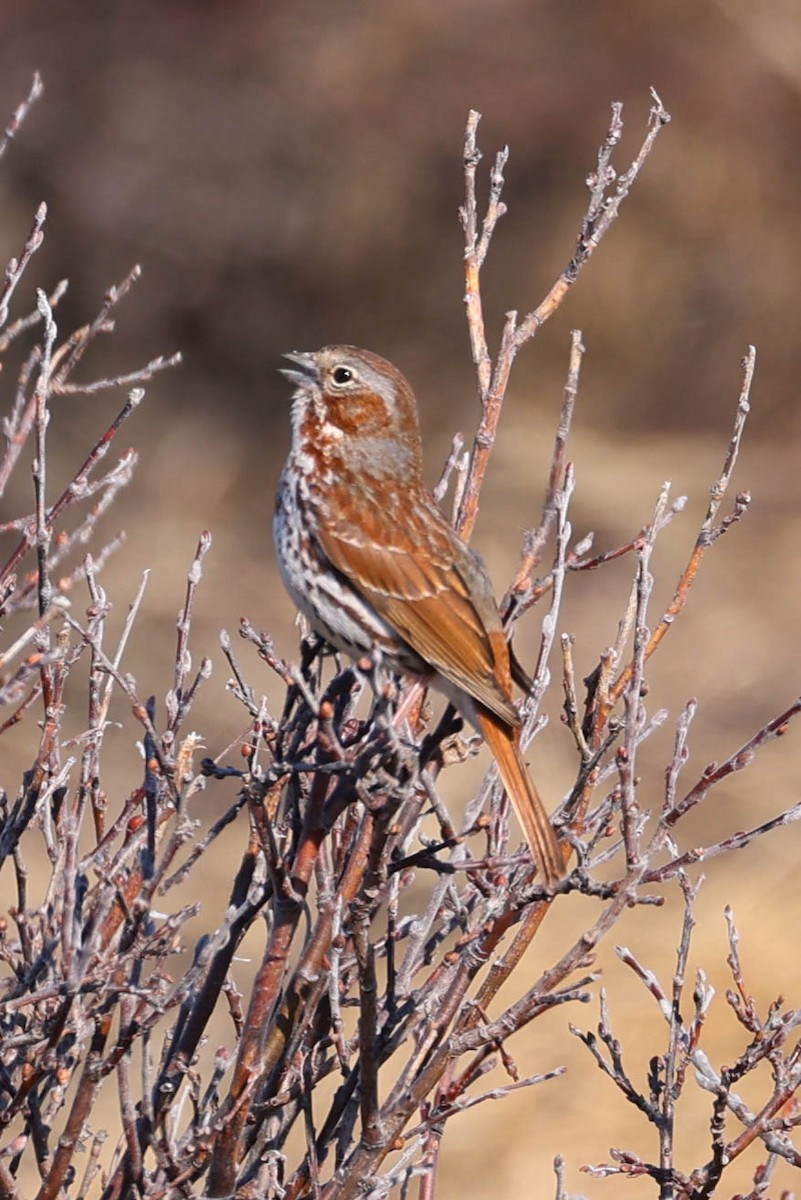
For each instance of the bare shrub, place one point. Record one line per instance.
(391, 925)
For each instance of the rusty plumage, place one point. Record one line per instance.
(369, 558)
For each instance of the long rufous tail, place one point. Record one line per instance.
(504, 742)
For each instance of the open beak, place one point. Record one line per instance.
(306, 369)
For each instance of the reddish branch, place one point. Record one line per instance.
(607, 193)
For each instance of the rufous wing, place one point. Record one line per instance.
(433, 591)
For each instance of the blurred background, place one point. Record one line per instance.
(289, 174)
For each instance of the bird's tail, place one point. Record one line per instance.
(504, 742)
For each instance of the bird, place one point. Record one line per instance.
(370, 560)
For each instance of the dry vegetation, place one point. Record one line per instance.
(391, 924)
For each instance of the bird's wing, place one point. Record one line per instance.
(408, 563)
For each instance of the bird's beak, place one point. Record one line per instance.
(306, 370)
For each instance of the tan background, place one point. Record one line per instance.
(288, 174)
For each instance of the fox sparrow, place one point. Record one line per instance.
(369, 559)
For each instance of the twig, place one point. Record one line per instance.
(177, 702)
(708, 532)
(601, 212)
(16, 267)
(77, 488)
(21, 112)
(536, 539)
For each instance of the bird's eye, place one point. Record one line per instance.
(342, 375)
